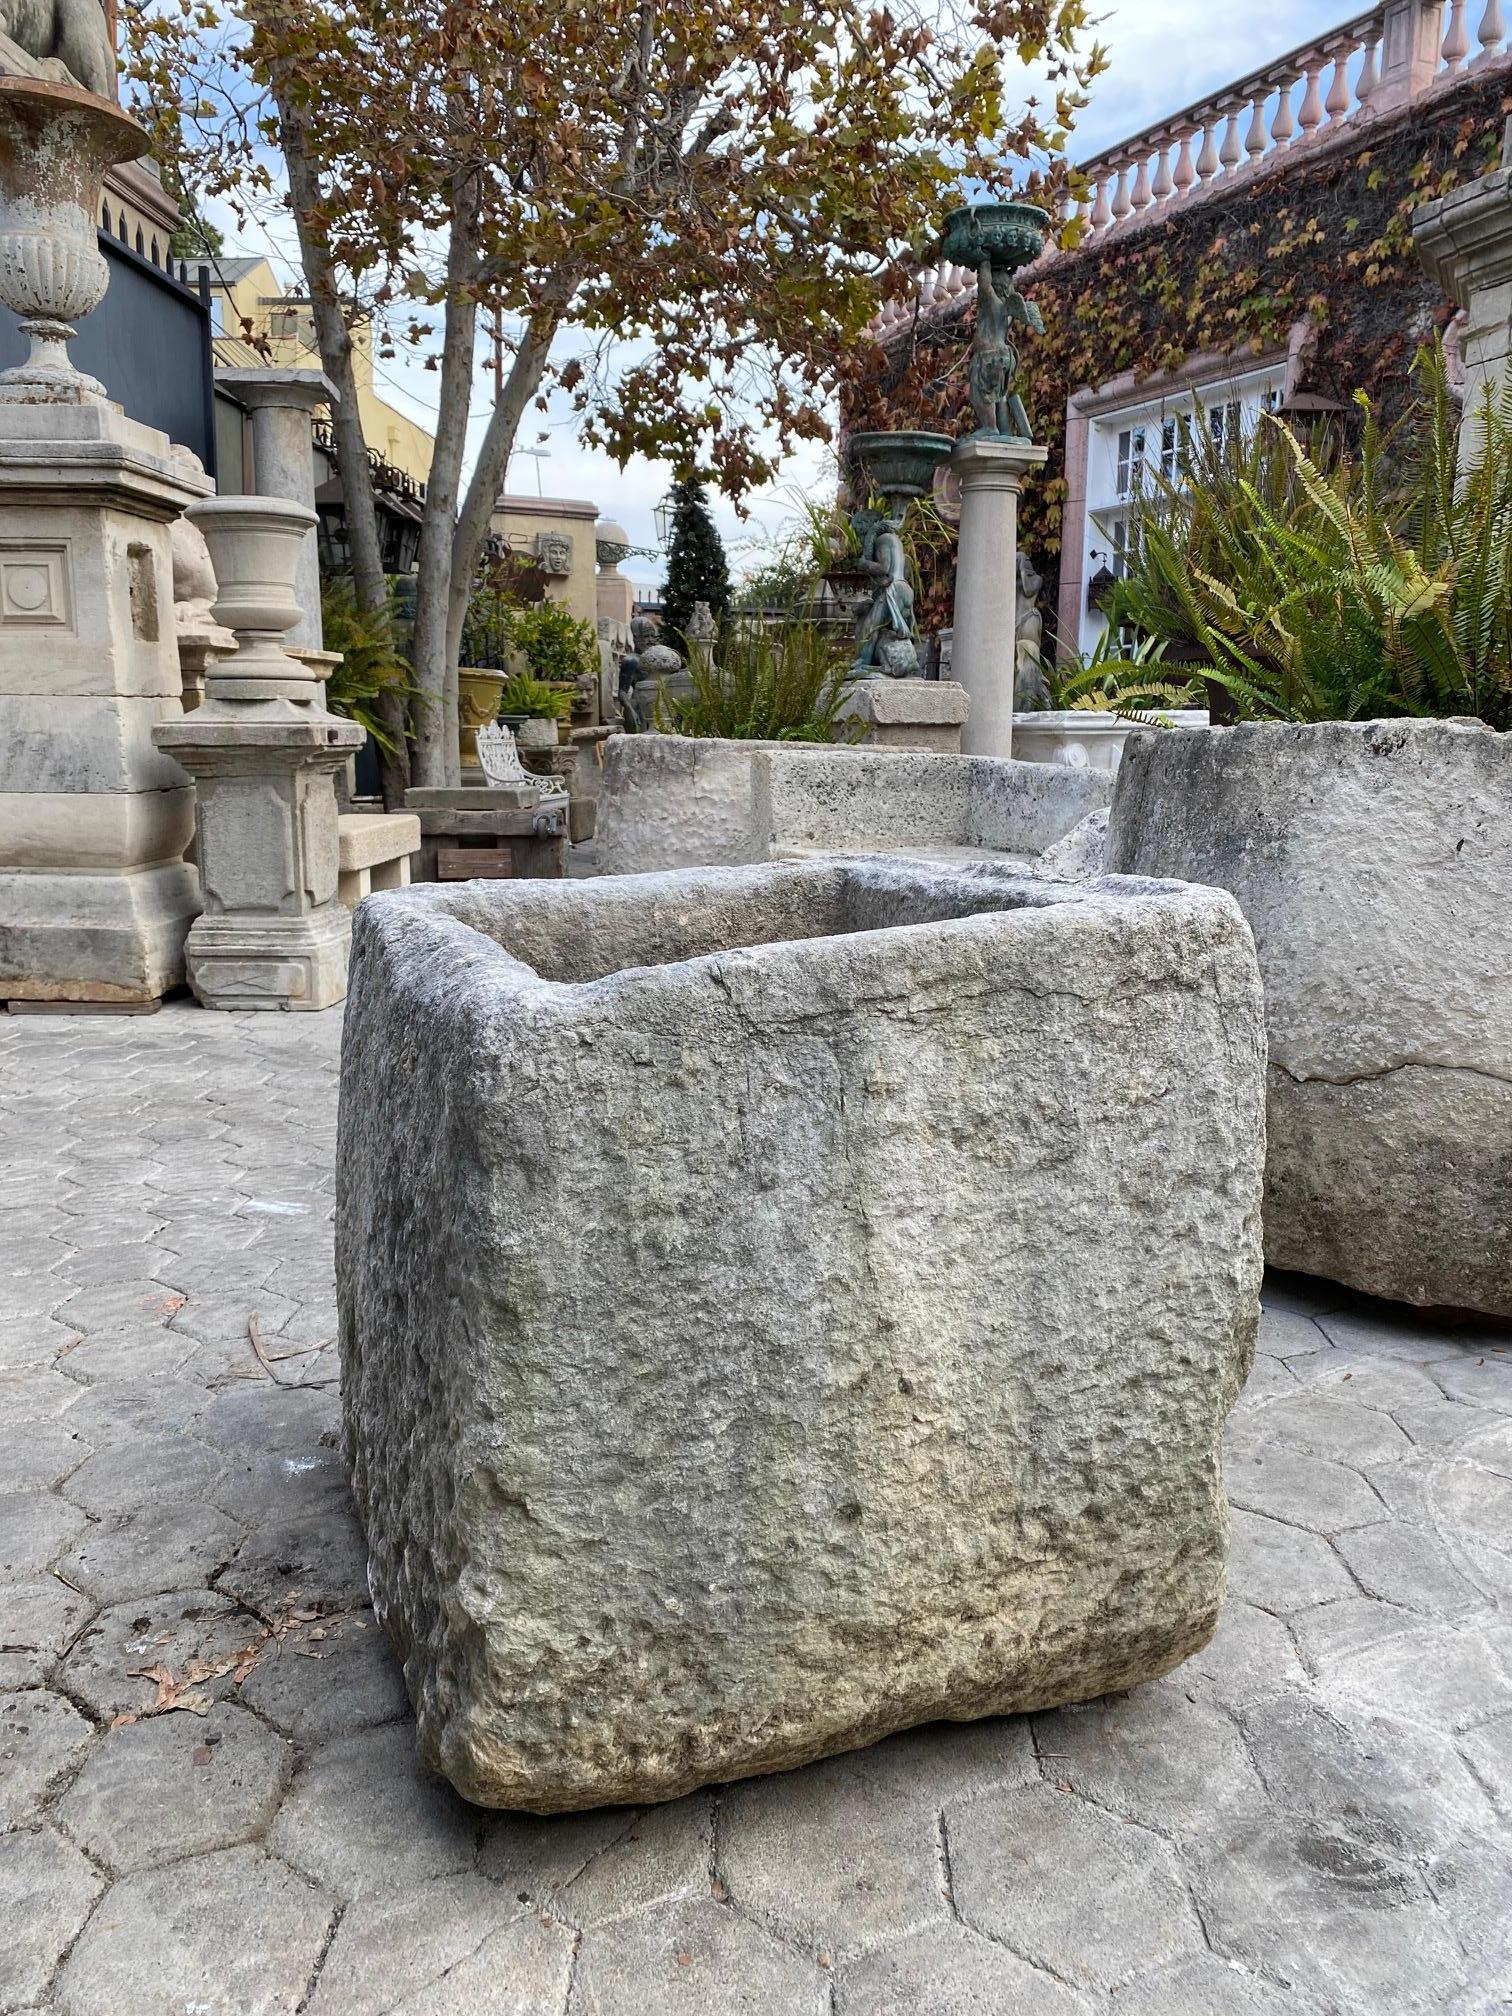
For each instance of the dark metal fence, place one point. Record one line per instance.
(148, 343)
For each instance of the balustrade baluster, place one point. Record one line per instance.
(1310, 118)
(1163, 184)
(1337, 102)
(1491, 34)
(1207, 160)
(1456, 41)
(1121, 204)
(1186, 173)
(1283, 125)
(1370, 75)
(1255, 142)
(1230, 151)
(1102, 213)
(1141, 198)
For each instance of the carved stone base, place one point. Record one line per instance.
(907, 713)
(242, 962)
(115, 936)
(274, 933)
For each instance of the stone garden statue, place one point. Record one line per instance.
(994, 358)
(1029, 689)
(68, 40)
(887, 638)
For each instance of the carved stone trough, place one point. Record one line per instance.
(783, 1305)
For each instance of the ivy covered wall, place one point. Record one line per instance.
(1325, 234)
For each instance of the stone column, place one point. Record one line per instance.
(1464, 240)
(991, 473)
(263, 751)
(283, 465)
(95, 895)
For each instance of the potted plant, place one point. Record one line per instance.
(534, 708)
(1094, 702)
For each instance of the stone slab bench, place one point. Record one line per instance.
(673, 801)
(374, 852)
(783, 1305)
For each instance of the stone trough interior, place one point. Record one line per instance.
(574, 933)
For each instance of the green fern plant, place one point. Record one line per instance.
(1318, 584)
(371, 662)
(764, 682)
(1110, 679)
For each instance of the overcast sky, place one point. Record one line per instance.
(1165, 53)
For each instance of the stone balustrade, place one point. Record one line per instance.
(1379, 60)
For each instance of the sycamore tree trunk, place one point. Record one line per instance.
(520, 387)
(437, 761)
(369, 586)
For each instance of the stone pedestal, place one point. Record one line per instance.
(991, 473)
(1464, 240)
(908, 713)
(283, 465)
(95, 896)
(263, 752)
(274, 932)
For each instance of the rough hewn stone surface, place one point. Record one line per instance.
(672, 801)
(747, 1350)
(1373, 861)
(1081, 853)
(196, 1150)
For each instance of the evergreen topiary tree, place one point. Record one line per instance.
(696, 566)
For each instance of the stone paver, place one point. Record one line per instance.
(47, 1890)
(1312, 1817)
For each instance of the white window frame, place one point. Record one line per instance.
(1125, 441)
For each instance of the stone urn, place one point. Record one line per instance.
(56, 143)
(479, 690)
(254, 545)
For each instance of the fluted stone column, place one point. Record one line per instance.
(282, 404)
(991, 473)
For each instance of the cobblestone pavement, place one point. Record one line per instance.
(208, 1791)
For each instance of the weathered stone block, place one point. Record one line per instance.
(675, 801)
(1373, 860)
(783, 1305)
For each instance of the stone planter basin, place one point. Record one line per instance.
(680, 801)
(1374, 863)
(783, 1305)
(1083, 739)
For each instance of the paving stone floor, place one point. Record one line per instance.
(209, 1799)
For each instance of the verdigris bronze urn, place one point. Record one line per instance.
(899, 465)
(1006, 235)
